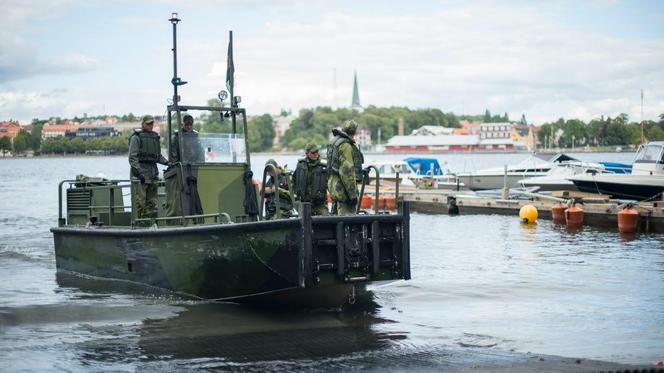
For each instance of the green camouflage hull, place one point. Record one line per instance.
(297, 261)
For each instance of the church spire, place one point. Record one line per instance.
(356, 94)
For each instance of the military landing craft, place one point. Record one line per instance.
(209, 240)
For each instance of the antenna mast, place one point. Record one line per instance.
(176, 81)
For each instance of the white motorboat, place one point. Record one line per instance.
(557, 177)
(646, 182)
(497, 177)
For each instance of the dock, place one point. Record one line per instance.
(599, 210)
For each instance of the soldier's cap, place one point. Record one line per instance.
(147, 119)
(349, 125)
(187, 119)
(272, 162)
(311, 148)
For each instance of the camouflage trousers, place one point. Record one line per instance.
(145, 200)
(344, 208)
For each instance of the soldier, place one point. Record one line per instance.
(191, 146)
(282, 192)
(310, 181)
(144, 154)
(344, 162)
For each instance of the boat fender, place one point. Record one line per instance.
(574, 217)
(558, 213)
(628, 219)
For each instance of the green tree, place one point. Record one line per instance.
(487, 116)
(213, 122)
(35, 135)
(21, 142)
(298, 143)
(5, 145)
(261, 132)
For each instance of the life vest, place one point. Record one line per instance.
(318, 185)
(149, 149)
(333, 154)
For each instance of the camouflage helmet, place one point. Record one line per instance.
(147, 119)
(350, 126)
(272, 162)
(311, 148)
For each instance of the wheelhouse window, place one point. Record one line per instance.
(213, 148)
(650, 154)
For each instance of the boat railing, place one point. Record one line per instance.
(113, 209)
(365, 177)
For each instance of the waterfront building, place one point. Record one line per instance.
(495, 131)
(92, 131)
(50, 131)
(9, 129)
(363, 137)
(432, 131)
(281, 125)
(425, 144)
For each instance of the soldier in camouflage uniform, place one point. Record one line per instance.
(310, 181)
(344, 164)
(144, 154)
(282, 192)
(193, 151)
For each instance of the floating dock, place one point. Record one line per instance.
(599, 210)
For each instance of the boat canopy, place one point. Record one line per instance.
(652, 152)
(617, 167)
(424, 166)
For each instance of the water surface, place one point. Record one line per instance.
(484, 288)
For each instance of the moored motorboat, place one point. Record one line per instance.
(646, 182)
(557, 177)
(509, 175)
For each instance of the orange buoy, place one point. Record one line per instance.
(558, 213)
(574, 217)
(366, 202)
(628, 220)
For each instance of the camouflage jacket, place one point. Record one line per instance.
(343, 185)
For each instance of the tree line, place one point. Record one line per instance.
(314, 125)
(599, 132)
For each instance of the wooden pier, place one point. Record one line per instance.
(599, 210)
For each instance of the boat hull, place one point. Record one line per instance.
(270, 260)
(488, 182)
(622, 186)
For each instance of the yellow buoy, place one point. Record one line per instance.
(528, 214)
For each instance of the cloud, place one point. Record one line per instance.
(19, 56)
(461, 57)
(25, 105)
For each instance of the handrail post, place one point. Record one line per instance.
(273, 173)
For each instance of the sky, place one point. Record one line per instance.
(545, 59)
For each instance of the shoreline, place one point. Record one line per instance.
(396, 154)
